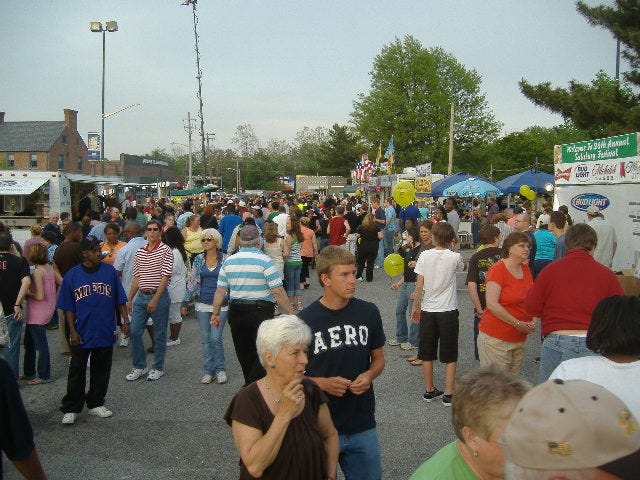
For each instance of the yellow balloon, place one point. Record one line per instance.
(530, 195)
(358, 192)
(393, 264)
(404, 193)
(524, 189)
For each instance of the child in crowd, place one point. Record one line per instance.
(438, 310)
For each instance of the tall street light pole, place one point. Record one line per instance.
(110, 26)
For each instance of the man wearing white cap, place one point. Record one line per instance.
(571, 429)
(607, 240)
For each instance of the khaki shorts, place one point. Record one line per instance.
(493, 351)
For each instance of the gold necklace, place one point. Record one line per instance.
(275, 400)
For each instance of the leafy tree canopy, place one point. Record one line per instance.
(340, 152)
(624, 22)
(412, 89)
(603, 107)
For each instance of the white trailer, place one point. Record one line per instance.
(28, 196)
(606, 173)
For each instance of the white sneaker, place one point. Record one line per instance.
(102, 412)
(69, 418)
(124, 341)
(360, 279)
(206, 379)
(407, 346)
(155, 374)
(221, 377)
(136, 373)
(393, 343)
(173, 343)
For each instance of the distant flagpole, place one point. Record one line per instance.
(450, 169)
(388, 154)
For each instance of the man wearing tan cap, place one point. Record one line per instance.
(573, 430)
(607, 240)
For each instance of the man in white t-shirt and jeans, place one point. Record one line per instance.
(438, 312)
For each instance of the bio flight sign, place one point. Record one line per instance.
(585, 200)
(611, 160)
(622, 146)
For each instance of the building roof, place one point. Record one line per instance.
(29, 136)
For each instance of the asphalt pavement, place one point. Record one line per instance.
(173, 428)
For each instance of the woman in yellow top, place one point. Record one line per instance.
(113, 244)
(192, 234)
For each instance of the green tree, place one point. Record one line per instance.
(518, 151)
(307, 150)
(603, 107)
(412, 89)
(340, 152)
(623, 22)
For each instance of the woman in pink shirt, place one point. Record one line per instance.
(41, 301)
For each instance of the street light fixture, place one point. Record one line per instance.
(110, 26)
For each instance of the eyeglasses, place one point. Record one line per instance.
(152, 229)
(207, 240)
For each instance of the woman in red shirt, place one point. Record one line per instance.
(505, 324)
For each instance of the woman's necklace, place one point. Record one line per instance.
(275, 400)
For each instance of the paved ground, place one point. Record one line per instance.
(173, 428)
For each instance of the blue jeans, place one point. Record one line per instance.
(292, 279)
(380, 257)
(387, 238)
(405, 303)
(360, 456)
(160, 317)
(35, 340)
(558, 348)
(211, 337)
(12, 354)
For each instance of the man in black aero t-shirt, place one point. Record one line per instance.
(345, 356)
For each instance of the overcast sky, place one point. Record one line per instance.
(278, 65)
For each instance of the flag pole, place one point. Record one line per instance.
(450, 169)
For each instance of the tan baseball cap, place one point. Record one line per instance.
(573, 424)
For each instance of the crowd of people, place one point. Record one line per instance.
(308, 401)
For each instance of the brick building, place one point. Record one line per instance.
(43, 145)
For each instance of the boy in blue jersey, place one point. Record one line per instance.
(90, 294)
(345, 356)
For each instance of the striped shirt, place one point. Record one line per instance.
(294, 257)
(249, 275)
(151, 266)
(505, 230)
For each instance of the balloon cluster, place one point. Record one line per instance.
(526, 192)
(404, 193)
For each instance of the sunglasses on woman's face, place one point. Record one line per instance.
(207, 239)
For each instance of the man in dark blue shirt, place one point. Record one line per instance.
(345, 356)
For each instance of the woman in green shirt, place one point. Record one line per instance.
(485, 399)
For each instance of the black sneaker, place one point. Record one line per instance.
(432, 395)
(446, 400)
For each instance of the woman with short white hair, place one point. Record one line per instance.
(281, 423)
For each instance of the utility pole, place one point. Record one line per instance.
(199, 78)
(189, 129)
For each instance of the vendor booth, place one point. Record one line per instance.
(605, 173)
